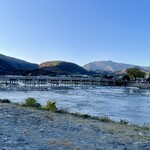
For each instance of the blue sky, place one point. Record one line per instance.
(80, 31)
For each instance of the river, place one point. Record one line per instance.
(131, 104)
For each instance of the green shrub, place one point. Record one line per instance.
(31, 102)
(105, 119)
(50, 106)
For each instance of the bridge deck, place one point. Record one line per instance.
(39, 81)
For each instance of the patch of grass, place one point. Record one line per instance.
(62, 111)
(105, 119)
(84, 116)
(50, 105)
(31, 102)
(143, 127)
(124, 122)
(5, 101)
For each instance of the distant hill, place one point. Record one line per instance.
(110, 66)
(63, 67)
(10, 65)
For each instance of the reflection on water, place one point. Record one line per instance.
(131, 104)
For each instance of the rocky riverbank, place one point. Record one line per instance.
(139, 85)
(23, 128)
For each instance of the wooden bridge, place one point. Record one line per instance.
(47, 81)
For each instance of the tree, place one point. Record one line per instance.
(126, 78)
(135, 73)
(148, 79)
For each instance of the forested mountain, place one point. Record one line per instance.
(10, 65)
(63, 67)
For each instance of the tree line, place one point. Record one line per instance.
(134, 73)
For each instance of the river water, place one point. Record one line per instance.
(131, 104)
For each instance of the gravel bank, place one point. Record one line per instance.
(29, 129)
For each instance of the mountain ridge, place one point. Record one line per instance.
(63, 66)
(11, 64)
(110, 66)
(14, 66)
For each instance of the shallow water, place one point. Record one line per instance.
(131, 104)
